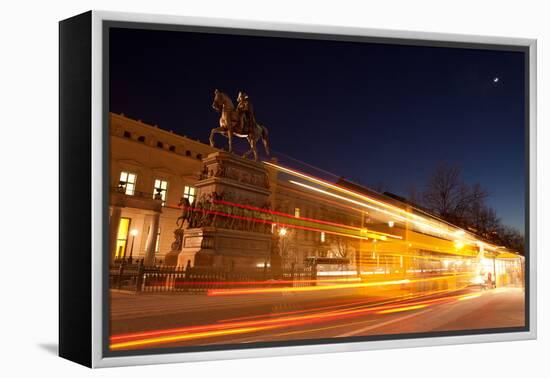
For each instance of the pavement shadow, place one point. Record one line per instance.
(51, 348)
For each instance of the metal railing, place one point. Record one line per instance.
(139, 278)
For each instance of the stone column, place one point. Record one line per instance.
(152, 240)
(114, 223)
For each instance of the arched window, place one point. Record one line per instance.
(172, 148)
(141, 139)
(160, 144)
(187, 153)
(199, 156)
(127, 134)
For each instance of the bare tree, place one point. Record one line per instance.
(484, 220)
(510, 237)
(450, 197)
(457, 202)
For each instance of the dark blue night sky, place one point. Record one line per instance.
(373, 113)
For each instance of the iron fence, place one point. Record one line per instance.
(139, 278)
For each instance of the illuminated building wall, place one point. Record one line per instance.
(322, 219)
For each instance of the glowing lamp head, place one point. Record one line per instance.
(391, 223)
(282, 231)
(134, 232)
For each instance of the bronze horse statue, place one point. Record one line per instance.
(230, 125)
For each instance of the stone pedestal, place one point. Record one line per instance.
(224, 249)
(238, 180)
(230, 238)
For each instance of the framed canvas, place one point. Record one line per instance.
(234, 189)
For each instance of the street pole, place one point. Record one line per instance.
(131, 249)
(134, 232)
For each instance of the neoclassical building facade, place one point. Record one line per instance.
(148, 162)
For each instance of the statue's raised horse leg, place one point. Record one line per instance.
(217, 130)
(222, 131)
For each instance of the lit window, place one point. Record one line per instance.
(161, 187)
(297, 212)
(322, 237)
(190, 193)
(122, 237)
(128, 182)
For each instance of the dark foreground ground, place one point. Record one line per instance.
(161, 320)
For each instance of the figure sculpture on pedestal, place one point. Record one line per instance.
(182, 222)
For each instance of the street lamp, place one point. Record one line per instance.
(134, 232)
(282, 244)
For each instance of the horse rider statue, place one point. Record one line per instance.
(240, 122)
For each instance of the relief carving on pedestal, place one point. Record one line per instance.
(233, 173)
(228, 211)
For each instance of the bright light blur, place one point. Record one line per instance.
(381, 258)
(338, 273)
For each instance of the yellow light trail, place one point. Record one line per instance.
(216, 292)
(401, 309)
(401, 218)
(357, 195)
(217, 330)
(219, 292)
(167, 339)
(362, 322)
(416, 219)
(471, 296)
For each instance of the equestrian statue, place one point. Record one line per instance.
(240, 122)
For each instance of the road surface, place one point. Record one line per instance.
(164, 320)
